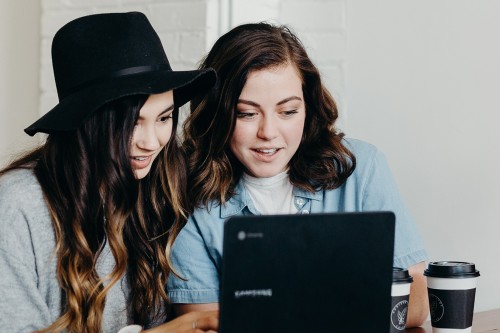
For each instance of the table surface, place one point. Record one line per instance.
(483, 322)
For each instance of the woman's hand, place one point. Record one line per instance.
(193, 322)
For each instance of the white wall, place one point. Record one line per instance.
(423, 83)
(19, 67)
(417, 78)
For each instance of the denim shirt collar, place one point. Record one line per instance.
(237, 202)
(241, 199)
(316, 195)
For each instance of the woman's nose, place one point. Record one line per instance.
(267, 128)
(147, 138)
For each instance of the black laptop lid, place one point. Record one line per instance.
(307, 273)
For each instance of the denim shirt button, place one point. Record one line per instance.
(305, 211)
(299, 201)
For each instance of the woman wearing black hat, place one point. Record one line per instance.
(88, 219)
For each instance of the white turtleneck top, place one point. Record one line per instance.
(273, 195)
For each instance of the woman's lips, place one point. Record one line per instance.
(140, 162)
(266, 154)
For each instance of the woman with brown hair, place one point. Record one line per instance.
(88, 219)
(265, 141)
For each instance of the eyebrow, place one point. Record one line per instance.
(283, 101)
(170, 108)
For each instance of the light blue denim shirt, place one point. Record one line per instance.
(197, 251)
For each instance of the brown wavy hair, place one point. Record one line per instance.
(321, 161)
(94, 199)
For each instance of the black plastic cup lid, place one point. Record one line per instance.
(451, 269)
(400, 276)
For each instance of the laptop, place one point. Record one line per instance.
(307, 273)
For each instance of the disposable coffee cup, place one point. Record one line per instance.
(400, 295)
(451, 286)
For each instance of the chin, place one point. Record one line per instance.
(266, 173)
(140, 174)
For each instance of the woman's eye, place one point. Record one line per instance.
(245, 115)
(289, 112)
(165, 118)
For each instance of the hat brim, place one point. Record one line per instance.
(70, 113)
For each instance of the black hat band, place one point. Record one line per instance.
(117, 74)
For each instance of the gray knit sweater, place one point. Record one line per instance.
(30, 296)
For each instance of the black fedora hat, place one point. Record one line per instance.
(102, 57)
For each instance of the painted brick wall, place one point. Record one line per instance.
(321, 25)
(188, 28)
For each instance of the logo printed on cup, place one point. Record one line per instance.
(400, 293)
(399, 314)
(436, 308)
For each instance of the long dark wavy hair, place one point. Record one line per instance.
(94, 199)
(321, 161)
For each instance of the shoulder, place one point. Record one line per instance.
(207, 213)
(20, 194)
(19, 184)
(25, 218)
(19, 188)
(368, 156)
(208, 221)
(361, 149)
